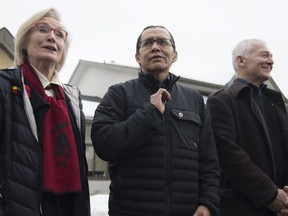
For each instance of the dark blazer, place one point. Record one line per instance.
(245, 149)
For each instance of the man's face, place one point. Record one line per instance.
(257, 67)
(156, 53)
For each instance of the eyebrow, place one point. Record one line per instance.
(57, 27)
(266, 52)
(155, 38)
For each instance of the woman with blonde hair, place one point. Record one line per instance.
(43, 168)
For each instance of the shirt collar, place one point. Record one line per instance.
(44, 81)
(252, 86)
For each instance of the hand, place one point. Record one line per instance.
(280, 203)
(159, 99)
(286, 189)
(202, 211)
(284, 212)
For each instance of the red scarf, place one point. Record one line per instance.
(60, 159)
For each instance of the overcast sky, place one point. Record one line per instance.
(205, 31)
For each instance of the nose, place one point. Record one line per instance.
(270, 61)
(52, 36)
(155, 45)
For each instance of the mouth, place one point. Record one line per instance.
(267, 68)
(49, 48)
(155, 57)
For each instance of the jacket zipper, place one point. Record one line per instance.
(168, 168)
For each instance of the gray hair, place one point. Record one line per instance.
(243, 49)
(24, 32)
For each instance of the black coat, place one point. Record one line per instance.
(159, 164)
(245, 149)
(21, 150)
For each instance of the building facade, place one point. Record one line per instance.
(6, 48)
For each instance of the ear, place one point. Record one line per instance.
(174, 59)
(241, 60)
(137, 58)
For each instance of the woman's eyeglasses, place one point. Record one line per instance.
(45, 29)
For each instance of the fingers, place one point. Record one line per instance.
(159, 98)
(164, 94)
(283, 212)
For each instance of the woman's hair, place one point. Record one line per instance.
(154, 26)
(24, 32)
(243, 49)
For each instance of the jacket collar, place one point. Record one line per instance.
(12, 74)
(150, 82)
(238, 86)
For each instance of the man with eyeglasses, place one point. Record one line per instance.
(157, 138)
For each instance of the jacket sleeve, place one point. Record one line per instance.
(209, 172)
(235, 163)
(1, 117)
(113, 134)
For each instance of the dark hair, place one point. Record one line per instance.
(154, 26)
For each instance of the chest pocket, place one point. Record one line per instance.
(186, 129)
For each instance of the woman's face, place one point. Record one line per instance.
(46, 43)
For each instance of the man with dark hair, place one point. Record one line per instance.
(157, 138)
